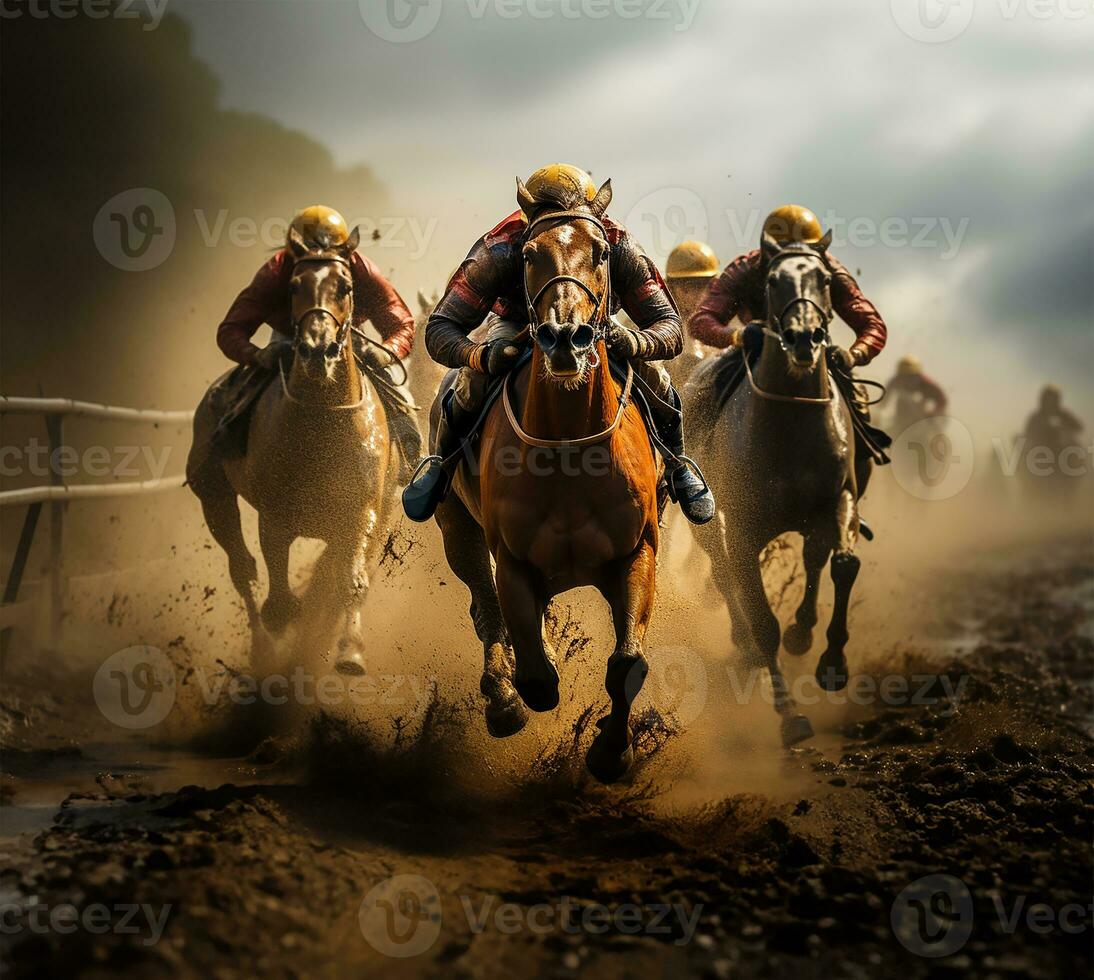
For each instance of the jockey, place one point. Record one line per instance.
(688, 272)
(910, 382)
(740, 292)
(490, 280)
(267, 300)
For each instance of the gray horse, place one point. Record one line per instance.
(779, 453)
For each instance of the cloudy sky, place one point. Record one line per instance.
(949, 144)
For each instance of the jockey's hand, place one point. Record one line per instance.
(625, 343)
(501, 357)
(377, 358)
(272, 354)
(843, 359)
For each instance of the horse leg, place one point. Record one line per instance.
(281, 606)
(631, 597)
(220, 505)
(469, 559)
(522, 603)
(798, 637)
(763, 629)
(832, 667)
(711, 537)
(349, 567)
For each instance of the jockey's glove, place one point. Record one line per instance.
(377, 358)
(270, 356)
(627, 344)
(500, 357)
(842, 359)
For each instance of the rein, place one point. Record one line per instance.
(600, 329)
(530, 440)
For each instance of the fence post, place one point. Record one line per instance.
(56, 429)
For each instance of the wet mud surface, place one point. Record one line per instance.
(276, 863)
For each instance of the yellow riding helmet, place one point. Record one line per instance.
(561, 183)
(690, 260)
(793, 223)
(909, 365)
(321, 226)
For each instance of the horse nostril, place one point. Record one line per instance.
(583, 337)
(548, 335)
(818, 335)
(332, 351)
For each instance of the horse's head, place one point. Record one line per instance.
(799, 304)
(567, 281)
(322, 303)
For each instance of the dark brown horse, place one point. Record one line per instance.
(780, 457)
(317, 464)
(563, 493)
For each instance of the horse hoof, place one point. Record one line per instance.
(607, 764)
(508, 718)
(832, 676)
(540, 694)
(795, 729)
(277, 614)
(350, 665)
(797, 639)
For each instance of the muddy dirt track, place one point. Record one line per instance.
(337, 842)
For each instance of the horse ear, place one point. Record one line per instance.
(822, 245)
(525, 200)
(297, 245)
(769, 247)
(599, 204)
(351, 243)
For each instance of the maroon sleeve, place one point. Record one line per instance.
(723, 300)
(857, 311)
(643, 294)
(254, 307)
(934, 392)
(375, 298)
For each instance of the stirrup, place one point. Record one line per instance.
(686, 462)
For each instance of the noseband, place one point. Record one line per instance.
(601, 311)
(341, 336)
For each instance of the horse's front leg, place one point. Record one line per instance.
(281, 606)
(630, 592)
(762, 633)
(832, 667)
(798, 637)
(522, 598)
(350, 566)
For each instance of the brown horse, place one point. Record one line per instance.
(564, 493)
(316, 464)
(780, 454)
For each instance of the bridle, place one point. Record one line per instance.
(344, 327)
(601, 311)
(780, 335)
(600, 325)
(341, 336)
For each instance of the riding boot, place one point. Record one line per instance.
(686, 484)
(429, 484)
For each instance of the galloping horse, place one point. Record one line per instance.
(317, 463)
(564, 493)
(780, 456)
